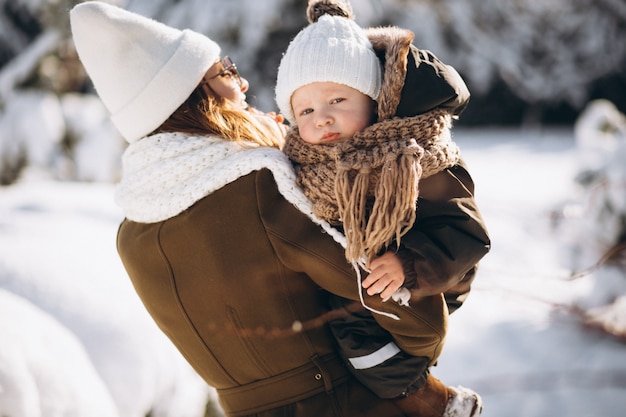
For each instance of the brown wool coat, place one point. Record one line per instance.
(228, 279)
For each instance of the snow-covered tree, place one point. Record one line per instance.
(601, 140)
(594, 222)
(544, 51)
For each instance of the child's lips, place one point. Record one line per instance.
(330, 136)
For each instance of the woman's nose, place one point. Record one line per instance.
(243, 84)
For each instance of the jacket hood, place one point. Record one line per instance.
(414, 81)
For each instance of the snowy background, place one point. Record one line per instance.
(536, 338)
(544, 332)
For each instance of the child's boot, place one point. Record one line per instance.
(434, 399)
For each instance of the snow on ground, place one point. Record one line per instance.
(514, 341)
(57, 250)
(72, 385)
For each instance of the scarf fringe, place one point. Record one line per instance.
(393, 212)
(352, 204)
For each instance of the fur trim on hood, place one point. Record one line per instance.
(414, 80)
(392, 45)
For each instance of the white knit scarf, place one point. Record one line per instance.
(167, 173)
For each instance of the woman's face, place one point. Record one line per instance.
(225, 81)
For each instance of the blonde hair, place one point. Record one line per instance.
(210, 114)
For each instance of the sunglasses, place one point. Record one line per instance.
(230, 70)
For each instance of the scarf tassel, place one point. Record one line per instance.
(352, 205)
(394, 208)
(392, 216)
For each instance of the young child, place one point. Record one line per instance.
(371, 117)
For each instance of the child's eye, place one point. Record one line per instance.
(306, 111)
(337, 100)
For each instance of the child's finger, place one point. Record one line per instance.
(369, 280)
(388, 292)
(379, 286)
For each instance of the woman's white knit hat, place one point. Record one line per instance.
(333, 48)
(143, 70)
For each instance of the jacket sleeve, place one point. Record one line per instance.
(440, 253)
(303, 247)
(431, 84)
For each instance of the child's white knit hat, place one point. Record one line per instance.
(143, 70)
(332, 48)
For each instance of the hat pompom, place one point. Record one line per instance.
(318, 8)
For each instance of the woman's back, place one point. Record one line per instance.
(239, 322)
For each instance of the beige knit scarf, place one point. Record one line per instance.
(369, 184)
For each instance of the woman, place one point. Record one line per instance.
(219, 242)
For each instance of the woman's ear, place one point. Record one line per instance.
(206, 89)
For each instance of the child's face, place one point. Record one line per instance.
(328, 112)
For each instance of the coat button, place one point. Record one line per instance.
(318, 377)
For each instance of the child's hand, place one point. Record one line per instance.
(279, 119)
(386, 277)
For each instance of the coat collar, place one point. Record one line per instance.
(167, 173)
